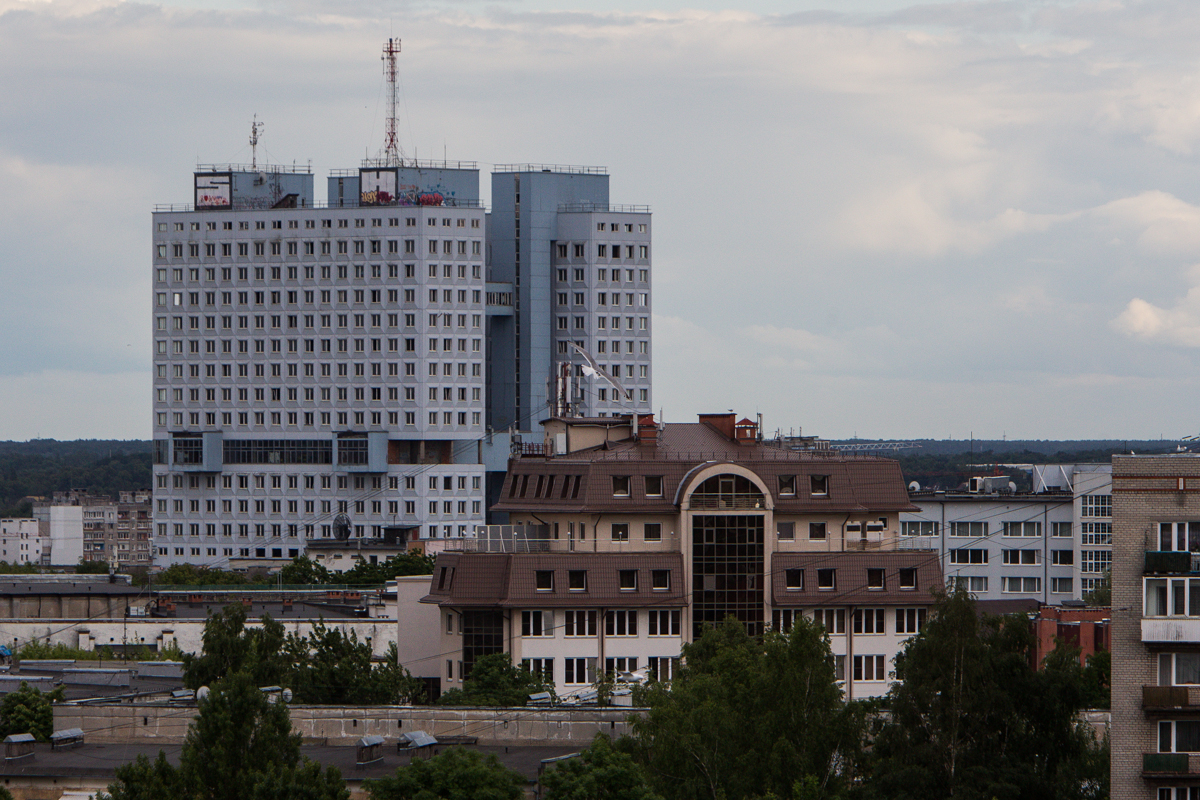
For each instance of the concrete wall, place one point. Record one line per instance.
(168, 724)
(159, 633)
(418, 631)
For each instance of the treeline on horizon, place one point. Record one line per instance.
(40, 467)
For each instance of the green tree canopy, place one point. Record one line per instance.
(329, 667)
(745, 718)
(601, 772)
(229, 646)
(367, 574)
(494, 681)
(456, 774)
(971, 718)
(303, 570)
(29, 710)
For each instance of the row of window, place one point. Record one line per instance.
(181, 347)
(877, 579)
(978, 530)
(865, 620)
(627, 580)
(1012, 556)
(602, 275)
(605, 299)
(322, 506)
(624, 622)
(309, 321)
(311, 224)
(342, 271)
(446, 483)
(307, 370)
(325, 247)
(257, 298)
(243, 530)
(243, 552)
(602, 324)
(279, 394)
(309, 419)
(977, 584)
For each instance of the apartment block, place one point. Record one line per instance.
(1091, 487)
(629, 537)
(20, 541)
(1156, 627)
(315, 364)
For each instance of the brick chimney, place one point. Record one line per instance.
(746, 432)
(722, 423)
(647, 431)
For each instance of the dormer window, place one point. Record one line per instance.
(818, 485)
(620, 485)
(787, 485)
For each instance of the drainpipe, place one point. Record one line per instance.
(849, 651)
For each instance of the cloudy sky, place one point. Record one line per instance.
(871, 217)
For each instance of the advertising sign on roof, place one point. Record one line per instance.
(214, 190)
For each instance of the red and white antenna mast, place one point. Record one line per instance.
(393, 156)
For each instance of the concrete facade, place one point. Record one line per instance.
(20, 541)
(1155, 627)
(311, 362)
(1091, 488)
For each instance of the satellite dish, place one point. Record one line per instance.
(914, 487)
(1012, 487)
(341, 527)
(287, 695)
(202, 693)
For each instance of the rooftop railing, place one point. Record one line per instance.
(447, 202)
(284, 169)
(564, 168)
(602, 208)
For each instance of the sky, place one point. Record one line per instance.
(872, 218)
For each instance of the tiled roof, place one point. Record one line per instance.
(509, 581)
(851, 578)
(857, 484)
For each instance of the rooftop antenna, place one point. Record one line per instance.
(392, 155)
(255, 127)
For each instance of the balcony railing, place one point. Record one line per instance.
(727, 501)
(1170, 764)
(1171, 562)
(1173, 698)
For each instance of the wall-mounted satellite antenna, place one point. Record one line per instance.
(341, 527)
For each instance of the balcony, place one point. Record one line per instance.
(1170, 630)
(1173, 562)
(726, 501)
(1170, 765)
(1171, 698)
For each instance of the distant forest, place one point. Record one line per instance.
(43, 466)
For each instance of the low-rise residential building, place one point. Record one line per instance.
(628, 538)
(79, 526)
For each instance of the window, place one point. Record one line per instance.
(654, 486)
(620, 664)
(794, 580)
(1027, 529)
(1178, 669)
(876, 580)
(537, 623)
(818, 485)
(1062, 558)
(1013, 557)
(970, 583)
(869, 668)
(973, 529)
(816, 531)
(579, 670)
(664, 623)
(908, 578)
(868, 620)
(832, 619)
(1092, 532)
(918, 529)
(579, 623)
(627, 580)
(544, 580)
(787, 484)
(620, 531)
(1020, 585)
(1095, 561)
(1062, 529)
(1095, 505)
(1181, 536)
(621, 623)
(785, 530)
(1179, 736)
(660, 580)
(826, 579)
(577, 580)
(652, 531)
(969, 556)
(542, 667)
(1062, 585)
(620, 485)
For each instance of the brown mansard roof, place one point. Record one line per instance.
(506, 580)
(857, 484)
(851, 578)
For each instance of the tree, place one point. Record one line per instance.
(745, 718)
(494, 681)
(304, 571)
(331, 668)
(456, 774)
(599, 773)
(1102, 594)
(191, 575)
(366, 574)
(240, 746)
(29, 710)
(91, 567)
(971, 718)
(229, 647)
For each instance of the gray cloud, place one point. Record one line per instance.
(919, 222)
